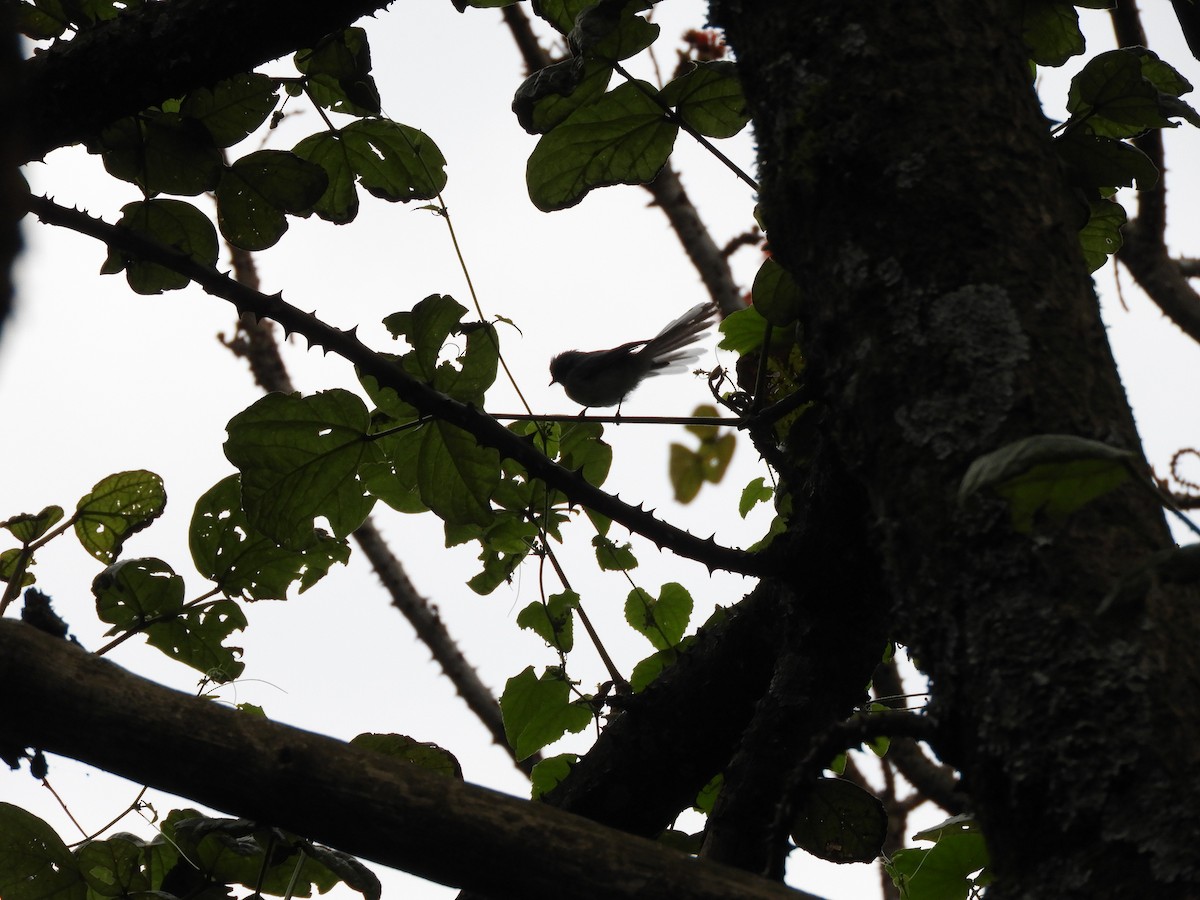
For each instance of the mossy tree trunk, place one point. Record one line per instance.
(909, 183)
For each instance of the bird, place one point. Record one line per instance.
(606, 377)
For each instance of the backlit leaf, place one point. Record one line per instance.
(622, 138)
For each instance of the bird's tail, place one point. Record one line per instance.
(670, 349)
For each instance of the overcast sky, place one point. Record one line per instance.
(102, 380)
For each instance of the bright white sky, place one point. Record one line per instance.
(105, 380)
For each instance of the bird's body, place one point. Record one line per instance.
(607, 377)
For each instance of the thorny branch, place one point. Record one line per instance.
(486, 430)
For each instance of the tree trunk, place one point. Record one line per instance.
(909, 183)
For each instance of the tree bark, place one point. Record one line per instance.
(909, 184)
(364, 803)
(160, 51)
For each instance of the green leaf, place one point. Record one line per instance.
(241, 851)
(689, 469)
(428, 328)
(243, 562)
(752, 494)
(300, 458)
(117, 507)
(552, 621)
(456, 474)
(132, 592)
(648, 669)
(1101, 237)
(461, 5)
(942, 872)
(41, 22)
(34, 862)
(340, 70)
(256, 191)
(776, 295)
(709, 99)
(611, 31)
(419, 753)
(561, 14)
(840, 822)
(173, 223)
(339, 203)
(549, 772)
(582, 449)
(614, 557)
(1050, 29)
(394, 162)
(662, 621)
(686, 470)
(622, 138)
(161, 153)
(233, 108)
(15, 563)
(539, 711)
(707, 798)
(1122, 93)
(742, 331)
(395, 479)
(1096, 162)
(197, 639)
(548, 96)
(113, 867)
(1050, 474)
(28, 527)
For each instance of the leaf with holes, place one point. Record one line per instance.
(257, 192)
(34, 862)
(117, 507)
(246, 563)
(232, 109)
(132, 592)
(172, 222)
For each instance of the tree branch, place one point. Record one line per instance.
(1144, 251)
(159, 51)
(364, 803)
(486, 430)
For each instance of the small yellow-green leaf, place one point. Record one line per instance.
(612, 556)
(662, 621)
(539, 711)
(549, 772)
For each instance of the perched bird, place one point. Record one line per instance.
(607, 377)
